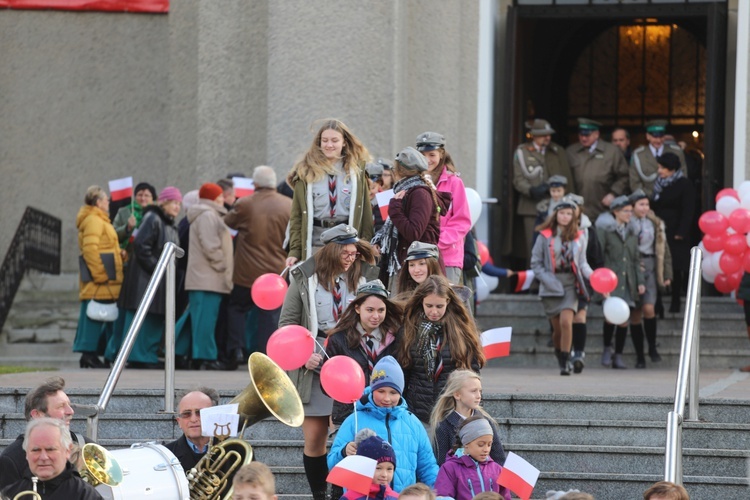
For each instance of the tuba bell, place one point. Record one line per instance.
(99, 466)
(269, 393)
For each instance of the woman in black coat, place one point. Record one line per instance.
(674, 203)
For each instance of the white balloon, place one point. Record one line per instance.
(707, 265)
(616, 310)
(709, 276)
(492, 281)
(727, 205)
(483, 289)
(703, 249)
(475, 205)
(744, 190)
(745, 201)
(715, 258)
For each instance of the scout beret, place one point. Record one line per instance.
(557, 181)
(427, 141)
(419, 250)
(374, 170)
(342, 234)
(411, 159)
(385, 163)
(619, 202)
(375, 287)
(574, 198)
(636, 195)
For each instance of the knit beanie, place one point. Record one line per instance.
(170, 193)
(387, 373)
(375, 447)
(210, 191)
(148, 187)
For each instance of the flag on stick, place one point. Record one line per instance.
(353, 473)
(496, 342)
(384, 199)
(519, 476)
(524, 280)
(120, 189)
(243, 186)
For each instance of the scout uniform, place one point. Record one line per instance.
(643, 163)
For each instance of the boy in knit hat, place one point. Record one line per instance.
(383, 410)
(370, 445)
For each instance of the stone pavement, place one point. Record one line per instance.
(594, 381)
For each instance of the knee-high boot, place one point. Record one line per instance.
(579, 344)
(316, 470)
(636, 335)
(649, 326)
(621, 332)
(607, 330)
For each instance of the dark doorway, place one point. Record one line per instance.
(620, 64)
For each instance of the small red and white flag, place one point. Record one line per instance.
(384, 199)
(519, 476)
(243, 186)
(120, 189)
(496, 342)
(524, 280)
(353, 473)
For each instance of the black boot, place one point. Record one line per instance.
(636, 335)
(564, 363)
(649, 325)
(579, 344)
(621, 332)
(607, 330)
(316, 470)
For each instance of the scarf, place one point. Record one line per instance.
(138, 214)
(429, 345)
(387, 237)
(663, 182)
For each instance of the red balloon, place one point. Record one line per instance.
(735, 244)
(739, 220)
(729, 263)
(712, 222)
(714, 242)
(727, 192)
(342, 379)
(484, 253)
(290, 346)
(603, 280)
(268, 291)
(722, 283)
(734, 279)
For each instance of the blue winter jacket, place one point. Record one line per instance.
(402, 429)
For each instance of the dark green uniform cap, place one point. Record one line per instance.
(586, 124)
(656, 126)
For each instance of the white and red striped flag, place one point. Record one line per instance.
(354, 473)
(519, 476)
(524, 280)
(120, 189)
(384, 199)
(243, 186)
(496, 342)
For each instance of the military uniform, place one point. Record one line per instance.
(597, 173)
(643, 167)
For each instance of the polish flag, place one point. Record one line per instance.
(353, 473)
(384, 199)
(524, 280)
(243, 186)
(120, 189)
(496, 342)
(519, 476)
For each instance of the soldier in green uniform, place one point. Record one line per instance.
(534, 162)
(600, 171)
(643, 164)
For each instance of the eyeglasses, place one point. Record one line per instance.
(189, 413)
(349, 255)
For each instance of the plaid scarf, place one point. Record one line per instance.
(663, 182)
(429, 345)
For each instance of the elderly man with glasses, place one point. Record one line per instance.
(643, 163)
(600, 172)
(192, 445)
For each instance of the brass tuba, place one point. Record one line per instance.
(99, 466)
(270, 392)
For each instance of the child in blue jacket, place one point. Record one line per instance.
(383, 410)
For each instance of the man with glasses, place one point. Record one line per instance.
(643, 165)
(600, 172)
(192, 445)
(47, 400)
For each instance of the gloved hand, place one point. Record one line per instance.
(540, 192)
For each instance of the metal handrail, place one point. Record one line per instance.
(688, 373)
(164, 265)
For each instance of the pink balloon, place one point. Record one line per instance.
(714, 242)
(603, 280)
(290, 346)
(727, 192)
(343, 379)
(735, 244)
(712, 222)
(730, 263)
(268, 291)
(739, 220)
(722, 283)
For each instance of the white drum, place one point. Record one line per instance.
(149, 470)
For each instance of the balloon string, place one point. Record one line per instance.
(322, 349)
(356, 422)
(284, 271)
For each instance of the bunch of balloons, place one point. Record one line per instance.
(726, 239)
(616, 310)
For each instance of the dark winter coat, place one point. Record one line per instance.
(67, 486)
(414, 217)
(184, 453)
(447, 431)
(157, 229)
(675, 206)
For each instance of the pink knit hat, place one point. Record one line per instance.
(170, 193)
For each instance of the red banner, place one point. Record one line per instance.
(152, 6)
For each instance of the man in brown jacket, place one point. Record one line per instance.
(261, 220)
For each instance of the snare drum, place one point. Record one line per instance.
(149, 470)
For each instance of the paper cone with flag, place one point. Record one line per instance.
(384, 200)
(524, 280)
(121, 189)
(243, 186)
(519, 476)
(496, 342)
(354, 473)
